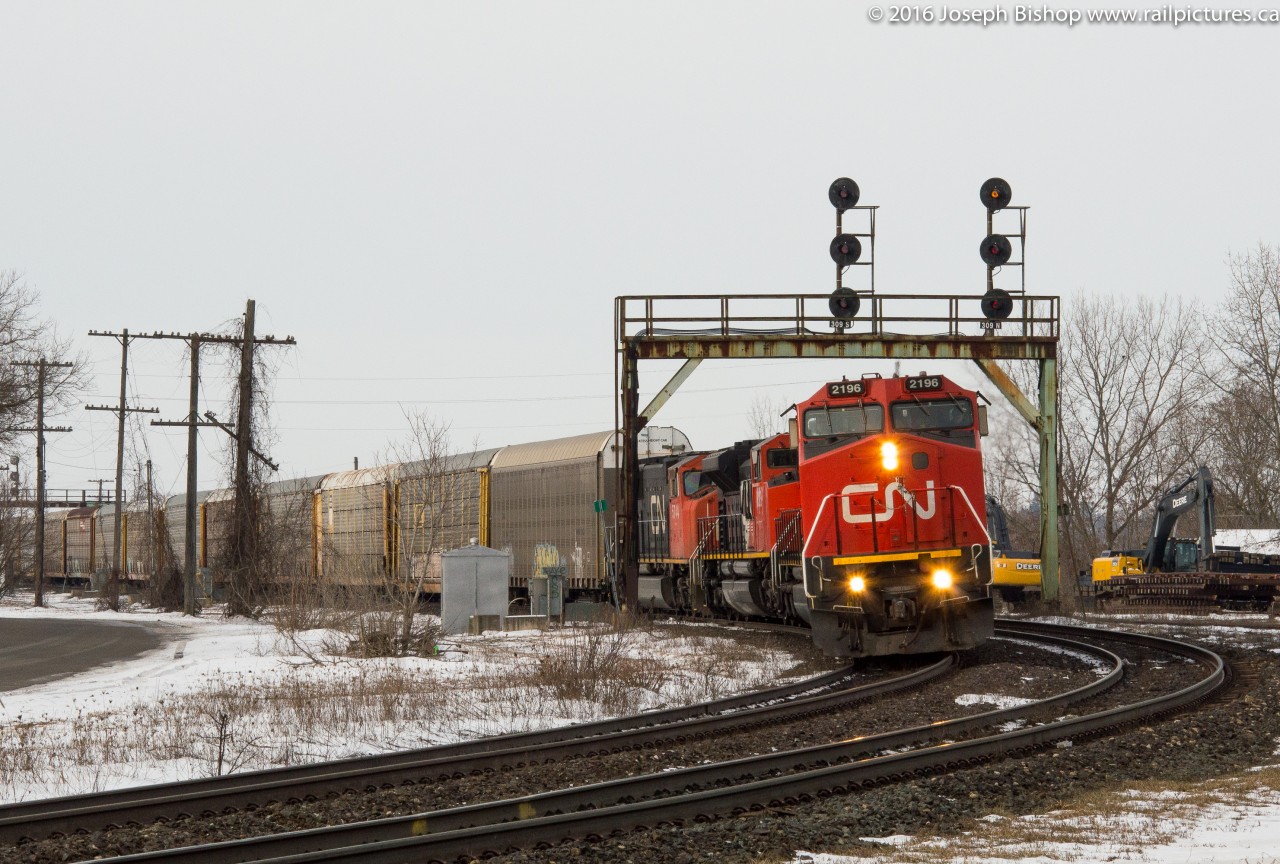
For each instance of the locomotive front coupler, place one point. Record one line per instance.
(854, 618)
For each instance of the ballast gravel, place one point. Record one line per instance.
(1001, 669)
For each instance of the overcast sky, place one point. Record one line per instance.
(440, 200)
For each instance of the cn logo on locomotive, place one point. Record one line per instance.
(884, 514)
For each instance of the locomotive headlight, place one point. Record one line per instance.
(889, 456)
(941, 579)
(857, 584)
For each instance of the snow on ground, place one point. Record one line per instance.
(1225, 820)
(1260, 540)
(242, 688)
(234, 694)
(1219, 823)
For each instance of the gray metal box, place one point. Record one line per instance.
(474, 581)
(546, 592)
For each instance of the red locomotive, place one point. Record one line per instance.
(867, 521)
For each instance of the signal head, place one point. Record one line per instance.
(845, 249)
(996, 194)
(997, 304)
(843, 194)
(995, 250)
(843, 304)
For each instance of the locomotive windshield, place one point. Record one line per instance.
(844, 420)
(932, 414)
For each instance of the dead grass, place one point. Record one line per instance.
(336, 706)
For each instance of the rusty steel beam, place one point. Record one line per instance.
(1048, 429)
(628, 532)
(669, 389)
(672, 347)
(1010, 390)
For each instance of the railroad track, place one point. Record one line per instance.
(698, 793)
(37, 820)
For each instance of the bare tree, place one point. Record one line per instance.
(246, 558)
(25, 336)
(764, 417)
(17, 540)
(1245, 383)
(426, 504)
(1129, 395)
(1014, 482)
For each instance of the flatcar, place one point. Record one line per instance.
(867, 521)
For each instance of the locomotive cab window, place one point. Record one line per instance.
(944, 418)
(844, 420)
(692, 482)
(783, 458)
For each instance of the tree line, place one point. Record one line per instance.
(1149, 388)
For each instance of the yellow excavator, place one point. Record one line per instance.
(1163, 554)
(1015, 574)
(1174, 572)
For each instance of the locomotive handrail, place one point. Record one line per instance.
(697, 552)
(804, 552)
(972, 512)
(908, 495)
(727, 540)
(785, 534)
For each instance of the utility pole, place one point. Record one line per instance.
(122, 410)
(100, 481)
(42, 365)
(244, 551)
(193, 422)
(152, 540)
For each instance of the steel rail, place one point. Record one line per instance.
(23, 810)
(433, 763)
(788, 790)
(624, 790)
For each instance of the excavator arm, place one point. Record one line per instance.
(1194, 493)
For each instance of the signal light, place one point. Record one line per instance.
(997, 304)
(843, 194)
(844, 303)
(941, 580)
(857, 584)
(995, 250)
(845, 250)
(996, 194)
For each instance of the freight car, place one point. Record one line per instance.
(388, 524)
(867, 521)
